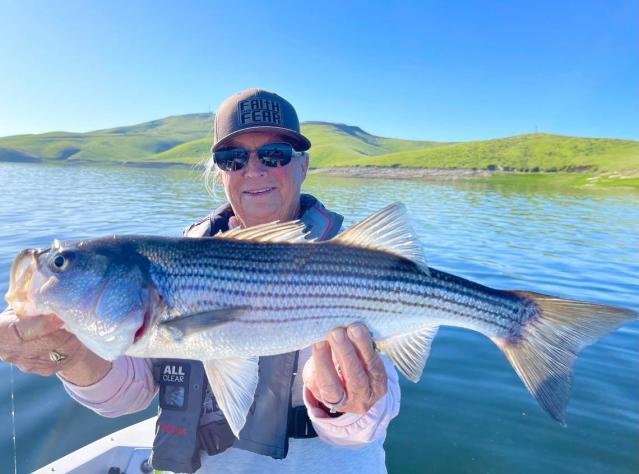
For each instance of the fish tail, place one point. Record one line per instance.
(544, 352)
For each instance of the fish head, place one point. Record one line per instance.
(99, 288)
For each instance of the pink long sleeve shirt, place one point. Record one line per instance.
(129, 387)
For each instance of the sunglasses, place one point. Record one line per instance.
(270, 154)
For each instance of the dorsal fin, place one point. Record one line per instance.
(292, 232)
(388, 230)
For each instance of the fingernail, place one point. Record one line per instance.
(358, 331)
(339, 335)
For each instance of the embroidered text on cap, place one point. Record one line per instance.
(259, 112)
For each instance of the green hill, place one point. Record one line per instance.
(343, 145)
(136, 143)
(186, 140)
(190, 125)
(192, 152)
(528, 153)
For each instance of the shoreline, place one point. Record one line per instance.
(381, 172)
(132, 164)
(566, 179)
(579, 178)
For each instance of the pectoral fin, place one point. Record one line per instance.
(183, 326)
(233, 382)
(409, 351)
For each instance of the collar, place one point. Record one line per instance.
(321, 223)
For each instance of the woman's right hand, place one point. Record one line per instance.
(30, 343)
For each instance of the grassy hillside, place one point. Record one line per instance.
(533, 152)
(141, 142)
(187, 126)
(342, 145)
(195, 151)
(186, 139)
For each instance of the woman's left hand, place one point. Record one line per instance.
(346, 363)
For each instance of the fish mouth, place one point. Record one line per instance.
(22, 270)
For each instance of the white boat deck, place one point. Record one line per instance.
(126, 450)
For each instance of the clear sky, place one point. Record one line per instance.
(432, 70)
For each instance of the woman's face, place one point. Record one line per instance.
(260, 194)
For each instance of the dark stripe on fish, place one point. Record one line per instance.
(427, 306)
(501, 298)
(235, 291)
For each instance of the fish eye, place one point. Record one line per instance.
(60, 261)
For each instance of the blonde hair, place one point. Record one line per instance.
(211, 177)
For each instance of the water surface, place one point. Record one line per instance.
(469, 413)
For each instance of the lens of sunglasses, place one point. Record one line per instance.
(275, 154)
(231, 159)
(271, 154)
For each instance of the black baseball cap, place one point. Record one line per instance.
(257, 110)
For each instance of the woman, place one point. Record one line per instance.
(309, 406)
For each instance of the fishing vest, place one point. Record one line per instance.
(189, 419)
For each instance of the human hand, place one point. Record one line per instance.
(30, 343)
(346, 363)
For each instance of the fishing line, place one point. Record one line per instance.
(13, 423)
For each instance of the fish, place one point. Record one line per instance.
(266, 290)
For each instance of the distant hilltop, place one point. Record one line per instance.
(186, 139)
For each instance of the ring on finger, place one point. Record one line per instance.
(333, 407)
(56, 357)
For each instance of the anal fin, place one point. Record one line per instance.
(233, 382)
(409, 351)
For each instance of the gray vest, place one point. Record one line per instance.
(189, 419)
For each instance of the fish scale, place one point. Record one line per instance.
(392, 295)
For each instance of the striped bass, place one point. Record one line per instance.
(266, 290)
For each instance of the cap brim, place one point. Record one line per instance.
(299, 141)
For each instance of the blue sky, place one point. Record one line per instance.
(434, 70)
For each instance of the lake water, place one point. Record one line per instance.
(470, 412)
